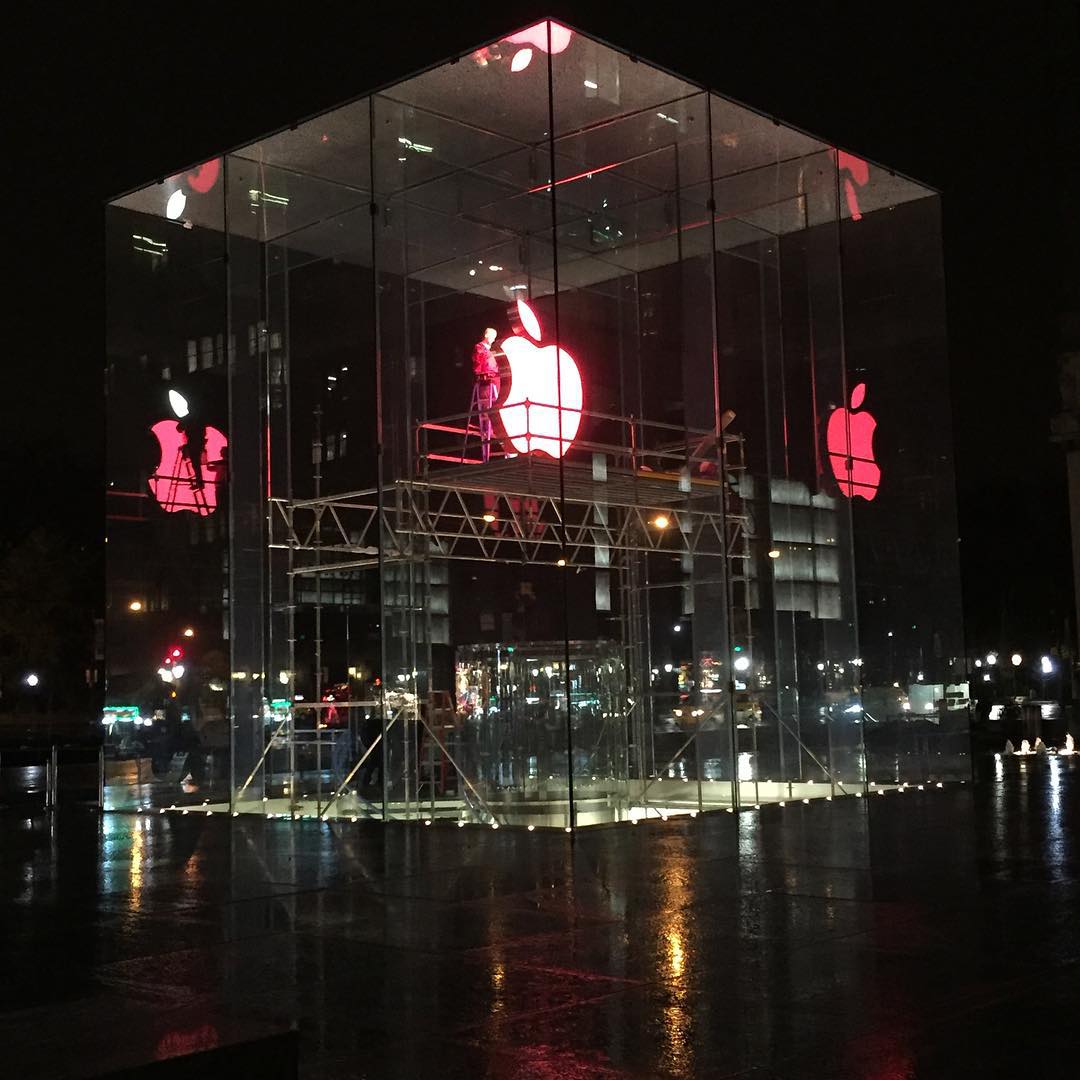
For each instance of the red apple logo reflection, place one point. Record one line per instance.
(858, 173)
(205, 176)
(539, 377)
(174, 482)
(850, 441)
(536, 37)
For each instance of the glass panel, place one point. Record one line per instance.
(168, 494)
(793, 634)
(473, 620)
(640, 477)
(301, 216)
(814, 576)
(904, 504)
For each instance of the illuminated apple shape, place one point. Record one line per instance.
(175, 205)
(173, 481)
(858, 173)
(205, 176)
(541, 378)
(536, 37)
(178, 403)
(849, 438)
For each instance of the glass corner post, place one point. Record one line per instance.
(248, 503)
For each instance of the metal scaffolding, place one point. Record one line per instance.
(654, 489)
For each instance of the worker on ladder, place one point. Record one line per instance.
(485, 387)
(193, 448)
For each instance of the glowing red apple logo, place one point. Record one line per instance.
(175, 483)
(536, 37)
(541, 379)
(850, 441)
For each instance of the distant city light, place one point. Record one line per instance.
(188, 631)
(32, 679)
(135, 605)
(991, 658)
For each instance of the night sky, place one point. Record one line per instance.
(980, 104)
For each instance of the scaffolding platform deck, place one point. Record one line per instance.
(528, 476)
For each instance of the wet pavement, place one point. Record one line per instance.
(928, 934)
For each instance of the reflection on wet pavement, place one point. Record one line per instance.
(933, 934)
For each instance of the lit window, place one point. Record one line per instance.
(206, 352)
(192, 355)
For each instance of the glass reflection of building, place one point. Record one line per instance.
(724, 574)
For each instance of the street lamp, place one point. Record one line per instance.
(135, 605)
(1046, 667)
(32, 679)
(1017, 659)
(991, 658)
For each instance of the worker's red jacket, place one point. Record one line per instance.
(484, 364)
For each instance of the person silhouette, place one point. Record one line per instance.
(193, 448)
(486, 386)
